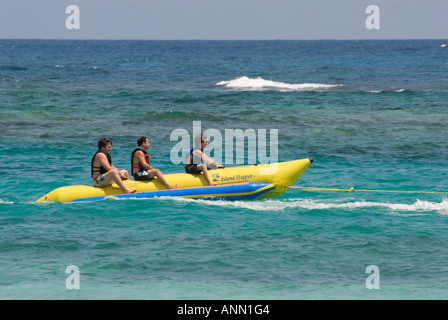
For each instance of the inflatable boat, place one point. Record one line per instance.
(242, 182)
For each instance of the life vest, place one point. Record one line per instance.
(100, 169)
(193, 158)
(137, 165)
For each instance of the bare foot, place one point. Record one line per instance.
(130, 191)
(172, 187)
(212, 184)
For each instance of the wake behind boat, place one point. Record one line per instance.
(243, 182)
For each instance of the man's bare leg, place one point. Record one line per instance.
(157, 173)
(205, 171)
(114, 175)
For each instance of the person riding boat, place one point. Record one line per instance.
(141, 170)
(193, 163)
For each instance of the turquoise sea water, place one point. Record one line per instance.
(372, 114)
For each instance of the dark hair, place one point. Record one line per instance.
(103, 142)
(141, 140)
(199, 139)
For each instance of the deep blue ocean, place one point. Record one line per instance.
(372, 114)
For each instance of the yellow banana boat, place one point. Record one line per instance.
(270, 179)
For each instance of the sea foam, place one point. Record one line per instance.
(246, 83)
(4, 201)
(418, 207)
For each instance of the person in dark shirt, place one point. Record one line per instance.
(103, 172)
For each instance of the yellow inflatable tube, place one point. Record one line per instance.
(281, 174)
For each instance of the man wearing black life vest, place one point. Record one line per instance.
(141, 170)
(102, 170)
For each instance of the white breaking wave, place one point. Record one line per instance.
(4, 201)
(418, 207)
(380, 91)
(246, 83)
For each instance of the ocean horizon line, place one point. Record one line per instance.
(223, 40)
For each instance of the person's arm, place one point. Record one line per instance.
(122, 176)
(105, 163)
(210, 161)
(142, 160)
